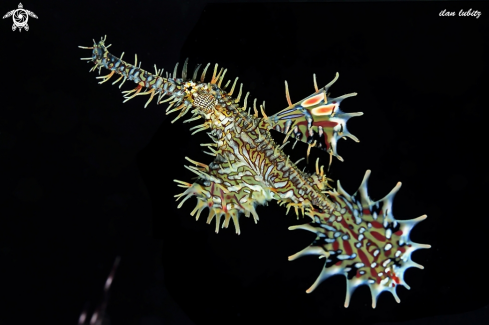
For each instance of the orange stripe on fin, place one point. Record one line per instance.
(323, 110)
(312, 101)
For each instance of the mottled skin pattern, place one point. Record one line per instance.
(250, 168)
(358, 238)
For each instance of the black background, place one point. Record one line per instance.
(86, 178)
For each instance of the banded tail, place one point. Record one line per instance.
(363, 241)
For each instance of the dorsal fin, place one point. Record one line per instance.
(316, 120)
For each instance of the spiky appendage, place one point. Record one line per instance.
(222, 202)
(363, 241)
(316, 120)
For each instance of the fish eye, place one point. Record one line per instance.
(189, 87)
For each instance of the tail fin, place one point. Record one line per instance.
(363, 241)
